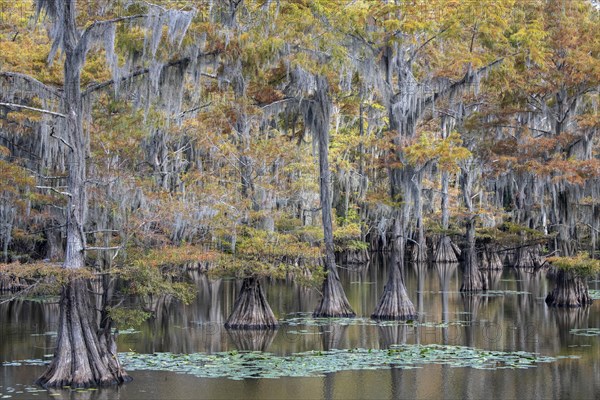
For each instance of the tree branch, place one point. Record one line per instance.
(102, 24)
(468, 78)
(61, 139)
(418, 49)
(40, 110)
(32, 81)
(182, 114)
(285, 99)
(54, 190)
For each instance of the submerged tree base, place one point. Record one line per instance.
(445, 251)
(334, 303)
(570, 290)
(474, 282)
(490, 259)
(251, 309)
(85, 356)
(394, 303)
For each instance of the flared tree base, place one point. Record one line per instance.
(419, 254)
(528, 257)
(354, 257)
(474, 281)
(491, 260)
(569, 291)
(334, 303)
(251, 309)
(445, 251)
(12, 283)
(394, 303)
(83, 358)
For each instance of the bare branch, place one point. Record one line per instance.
(213, 76)
(284, 100)
(54, 190)
(103, 24)
(61, 139)
(102, 230)
(418, 49)
(40, 110)
(182, 114)
(32, 81)
(102, 248)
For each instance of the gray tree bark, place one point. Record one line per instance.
(333, 302)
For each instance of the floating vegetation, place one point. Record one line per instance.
(18, 388)
(488, 293)
(585, 332)
(243, 365)
(306, 319)
(498, 293)
(128, 331)
(255, 364)
(49, 333)
(594, 294)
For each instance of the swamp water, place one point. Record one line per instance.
(504, 343)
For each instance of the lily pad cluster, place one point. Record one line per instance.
(244, 365)
(594, 294)
(306, 319)
(585, 332)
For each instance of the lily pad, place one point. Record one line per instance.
(499, 293)
(49, 333)
(244, 365)
(594, 294)
(585, 332)
(306, 320)
(254, 365)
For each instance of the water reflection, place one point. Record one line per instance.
(445, 273)
(252, 340)
(511, 317)
(333, 336)
(398, 334)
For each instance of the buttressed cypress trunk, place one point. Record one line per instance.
(473, 279)
(444, 249)
(570, 290)
(81, 359)
(251, 309)
(317, 115)
(394, 303)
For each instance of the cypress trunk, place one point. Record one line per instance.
(333, 302)
(570, 290)
(83, 357)
(490, 258)
(394, 303)
(419, 252)
(251, 309)
(445, 251)
(473, 279)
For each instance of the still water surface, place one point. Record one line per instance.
(512, 317)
